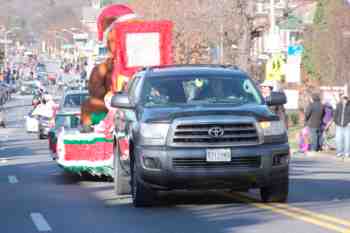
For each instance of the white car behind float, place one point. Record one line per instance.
(32, 123)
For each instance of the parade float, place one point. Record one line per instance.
(136, 43)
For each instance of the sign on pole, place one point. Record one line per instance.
(275, 67)
(293, 66)
(292, 99)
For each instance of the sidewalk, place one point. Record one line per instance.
(319, 155)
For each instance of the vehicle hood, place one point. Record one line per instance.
(69, 111)
(259, 112)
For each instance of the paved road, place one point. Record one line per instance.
(35, 196)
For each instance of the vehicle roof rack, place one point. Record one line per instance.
(225, 66)
(229, 66)
(146, 68)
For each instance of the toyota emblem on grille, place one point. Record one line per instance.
(216, 132)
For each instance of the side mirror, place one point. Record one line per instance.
(276, 98)
(121, 101)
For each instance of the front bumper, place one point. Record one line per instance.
(44, 131)
(213, 177)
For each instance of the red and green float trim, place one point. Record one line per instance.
(96, 171)
(81, 153)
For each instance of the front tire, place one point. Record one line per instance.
(142, 196)
(275, 193)
(120, 182)
(41, 136)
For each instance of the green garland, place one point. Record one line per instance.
(83, 142)
(98, 171)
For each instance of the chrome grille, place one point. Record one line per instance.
(236, 162)
(235, 134)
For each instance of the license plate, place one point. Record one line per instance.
(218, 155)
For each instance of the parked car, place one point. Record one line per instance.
(74, 98)
(198, 127)
(44, 126)
(2, 117)
(40, 68)
(42, 75)
(32, 123)
(70, 81)
(27, 87)
(3, 95)
(13, 88)
(52, 70)
(66, 119)
(7, 90)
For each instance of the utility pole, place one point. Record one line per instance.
(5, 49)
(272, 17)
(222, 43)
(273, 36)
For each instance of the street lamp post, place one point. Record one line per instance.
(75, 32)
(5, 49)
(57, 36)
(5, 42)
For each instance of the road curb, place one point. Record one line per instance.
(319, 155)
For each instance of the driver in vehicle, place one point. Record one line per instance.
(158, 95)
(266, 89)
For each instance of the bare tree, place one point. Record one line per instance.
(328, 43)
(202, 26)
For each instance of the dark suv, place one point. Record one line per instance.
(198, 127)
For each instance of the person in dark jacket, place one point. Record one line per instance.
(8, 76)
(313, 117)
(266, 89)
(342, 121)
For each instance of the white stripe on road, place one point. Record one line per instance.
(13, 179)
(40, 222)
(3, 160)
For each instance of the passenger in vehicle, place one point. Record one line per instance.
(214, 89)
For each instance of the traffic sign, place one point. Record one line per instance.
(275, 67)
(295, 50)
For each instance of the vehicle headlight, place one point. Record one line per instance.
(272, 128)
(153, 134)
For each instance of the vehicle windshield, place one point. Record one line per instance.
(75, 100)
(40, 68)
(164, 91)
(67, 121)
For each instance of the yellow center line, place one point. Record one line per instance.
(319, 216)
(298, 213)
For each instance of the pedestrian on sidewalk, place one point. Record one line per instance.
(314, 114)
(326, 121)
(342, 122)
(8, 75)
